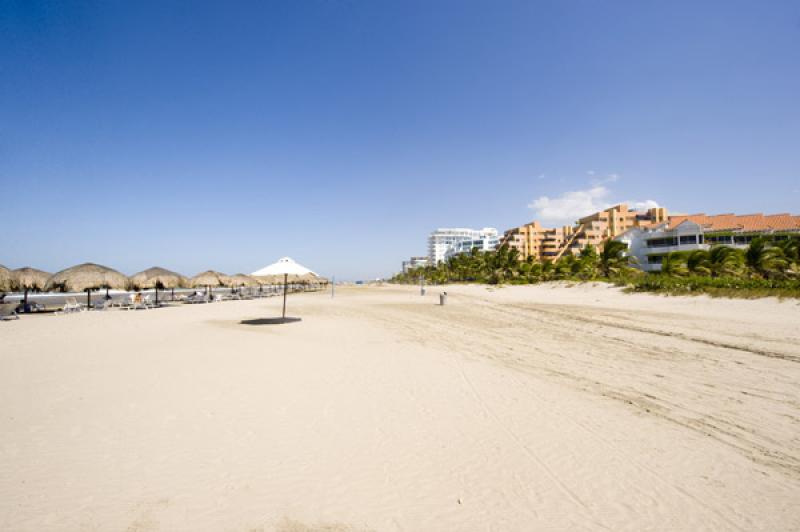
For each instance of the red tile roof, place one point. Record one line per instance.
(743, 222)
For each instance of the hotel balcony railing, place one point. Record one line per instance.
(661, 250)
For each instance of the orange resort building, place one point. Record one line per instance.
(649, 244)
(552, 243)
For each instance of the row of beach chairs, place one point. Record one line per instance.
(8, 311)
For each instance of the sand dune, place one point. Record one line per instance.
(517, 408)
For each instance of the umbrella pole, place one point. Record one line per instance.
(285, 286)
(88, 298)
(173, 293)
(25, 301)
(156, 295)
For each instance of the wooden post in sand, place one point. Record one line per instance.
(285, 281)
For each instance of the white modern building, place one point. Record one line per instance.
(414, 262)
(488, 243)
(698, 231)
(649, 244)
(443, 238)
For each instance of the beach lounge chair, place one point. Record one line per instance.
(72, 305)
(119, 301)
(138, 301)
(104, 304)
(148, 303)
(197, 297)
(8, 311)
(127, 302)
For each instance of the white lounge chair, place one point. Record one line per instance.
(197, 297)
(8, 311)
(105, 304)
(72, 305)
(128, 302)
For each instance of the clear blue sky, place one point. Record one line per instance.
(225, 135)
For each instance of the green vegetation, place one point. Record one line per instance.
(764, 268)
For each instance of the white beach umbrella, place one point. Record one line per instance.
(285, 267)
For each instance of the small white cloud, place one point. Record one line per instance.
(541, 176)
(612, 178)
(570, 205)
(589, 172)
(575, 204)
(641, 205)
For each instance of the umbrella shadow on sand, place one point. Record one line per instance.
(269, 321)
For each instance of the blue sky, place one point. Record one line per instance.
(225, 135)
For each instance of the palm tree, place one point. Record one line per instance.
(698, 262)
(548, 268)
(764, 259)
(586, 265)
(726, 261)
(790, 247)
(536, 272)
(613, 260)
(674, 263)
(564, 265)
(504, 264)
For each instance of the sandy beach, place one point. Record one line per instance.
(509, 409)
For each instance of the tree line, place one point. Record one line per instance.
(765, 263)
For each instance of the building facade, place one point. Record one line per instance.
(552, 243)
(442, 239)
(414, 262)
(649, 245)
(488, 243)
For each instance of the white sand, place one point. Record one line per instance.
(522, 408)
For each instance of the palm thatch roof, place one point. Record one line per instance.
(274, 279)
(158, 277)
(209, 278)
(5, 279)
(86, 276)
(29, 279)
(241, 279)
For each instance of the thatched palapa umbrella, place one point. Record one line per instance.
(240, 280)
(309, 277)
(5, 279)
(267, 280)
(87, 277)
(209, 279)
(26, 279)
(285, 267)
(159, 278)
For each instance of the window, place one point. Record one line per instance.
(720, 239)
(689, 239)
(662, 242)
(655, 259)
